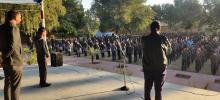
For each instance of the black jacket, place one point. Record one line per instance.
(42, 48)
(12, 48)
(155, 51)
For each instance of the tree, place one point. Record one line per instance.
(31, 15)
(91, 23)
(122, 15)
(166, 13)
(72, 23)
(53, 9)
(183, 14)
(189, 12)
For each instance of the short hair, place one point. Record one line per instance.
(41, 30)
(154, 26)
(11, 15)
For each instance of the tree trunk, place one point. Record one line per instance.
(92, 59)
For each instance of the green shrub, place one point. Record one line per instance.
(33, 58)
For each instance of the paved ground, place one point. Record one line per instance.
(197, 80)
(77, 83)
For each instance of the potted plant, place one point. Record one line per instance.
(93, 52)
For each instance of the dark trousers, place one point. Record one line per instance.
(103, 54)
(97, 56)
(156, 78)
(109, 53)
(113, 55)
(69, 53)
(13, 75)
(42, 70)
(140, 55)
(85, 53)
(185, 65)
(135, 57)
(78, 54)
(119, 54)
(214, 68)
(198, 66)
(129, 58)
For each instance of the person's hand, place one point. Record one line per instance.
(47, 60)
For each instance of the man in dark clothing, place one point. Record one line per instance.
(140, 51)
(12, 55)
(135, 52)
(42, 56)
(108, 44)
(118, 50)
(85, 48)
(113, 49)
(102, 49)
(78, 49)
(97, 47)
(214, 63)
(129, 52)
(198, 60)
(185, 60)
(156, 48)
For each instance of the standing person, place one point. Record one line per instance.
(69, 47)
(113, 49)
(108, 44)
(42, 56)
(85, 47)
(214, 63)
(129, 52)
(12, 55)
(102, 49)
(96, 46)
(118, 49)
(140, 52)
(185, 59)
(156, 48)
(198, 60)
(78, 49)
(135, 53)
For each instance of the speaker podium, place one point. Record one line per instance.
(56, 59)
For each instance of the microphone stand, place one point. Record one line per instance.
(123, 88)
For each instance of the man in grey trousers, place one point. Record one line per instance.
(12, 55)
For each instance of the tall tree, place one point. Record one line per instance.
(189, 12)
(122, 15)
(183, 14)
(31, 15)
(73, 21)
(53, 9)
(91, 23)
(167, 14)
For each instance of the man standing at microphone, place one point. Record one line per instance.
(155, 50)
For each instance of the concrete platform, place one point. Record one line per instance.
(78, 83)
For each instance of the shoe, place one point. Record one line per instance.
(1, 78)
(45, 85)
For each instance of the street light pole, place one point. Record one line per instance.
(42, 14)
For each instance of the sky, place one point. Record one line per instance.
(87, 3)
